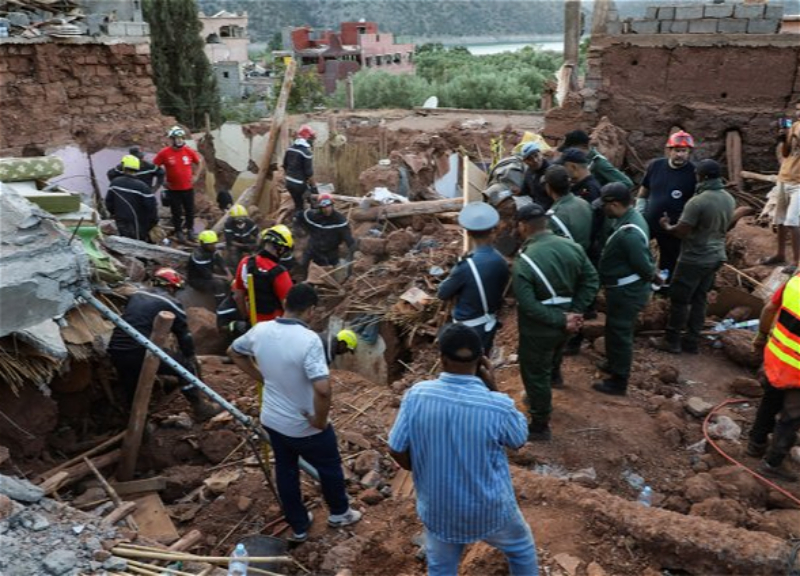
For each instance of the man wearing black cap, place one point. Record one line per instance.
(148, 173)
(702, 227)
(452, 433)
(601, 167)
(478, 280)
(554, 283)
(584, 184)
(626, 271)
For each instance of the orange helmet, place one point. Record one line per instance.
(680, 139)
(167, 277)
(306, 132)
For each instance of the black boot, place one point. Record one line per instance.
(573, 346)
(539, 432)
(614, 386)
(556, 379)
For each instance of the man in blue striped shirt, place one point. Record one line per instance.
(452, 434)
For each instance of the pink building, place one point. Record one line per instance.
(358, 45)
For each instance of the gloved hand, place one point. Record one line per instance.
(641, 205)
(759, 341)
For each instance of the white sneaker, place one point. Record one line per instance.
(346, 519)
(300, 537)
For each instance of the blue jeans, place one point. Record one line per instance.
(319, 450)
(515, 540)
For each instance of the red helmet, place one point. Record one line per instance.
(167, 277)
(680, 139)
(324, 200)
(306, 132)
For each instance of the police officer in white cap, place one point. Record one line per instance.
(478, 280)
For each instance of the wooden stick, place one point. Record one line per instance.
(119, 513)
(135, 553)
(144, 388)
(187, 541)
(54, 482)
(111, 492)
(80, 470)
(743, 275)
(157, 569)
(756, 176)
(79, 458)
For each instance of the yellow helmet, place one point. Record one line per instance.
(238, 210)
(131, 162)
(279, 235)
(348, 337)
(207, 237)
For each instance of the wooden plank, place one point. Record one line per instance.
(733, 153)
(155, 484)
(119, 513)
(75, 473)
(153, 520)
(409, 209)
(131, 247)
(54, 482)
(473, 184)
(403, 484)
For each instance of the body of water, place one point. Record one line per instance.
(484, 49)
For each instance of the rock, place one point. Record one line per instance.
(585, 477)
(6, 506)
(59, 562)
(344, 555)
(218, 444)
(101, 555)
(677, 504)
(219, 481)
(570, 564)
(668, 374)
(748, 387)
(181, 480)
(20, 490)
(777, 500)
(367, 461)
(700, 487)
(599, 345)
(207, 338)
(180, 420)
(738, 347)
(698, 407)
(116, 564)
(722, 510)
(372, 246)
(355, 439)
(594, 569)
(788, 521)
(734, 482)
(371, 497)
(724, 428)
(371, 479)
(92, 494)
(134, 269)
(400, 242)
(34, 521)
(244, 503)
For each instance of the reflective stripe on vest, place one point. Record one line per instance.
(782, 353)
(555, 299)
(560, 223)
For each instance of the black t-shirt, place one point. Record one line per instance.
(588, 189)
(670, 190)
(533, 186)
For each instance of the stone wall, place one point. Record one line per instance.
(95, 94)
(724, 18)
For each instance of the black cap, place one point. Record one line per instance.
(136, 151)
(575, 156)
(460, 343)
(530, 212)
(708, 168)
(574, 138)
(615, 191)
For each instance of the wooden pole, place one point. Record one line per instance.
(111, 492)
(261, 199)
(572, 38)
(351, 95)
(210, 166)
(80, 470)
(733, 154)
(409, 209)
(144, 387)
(78, 459)
(600, 17)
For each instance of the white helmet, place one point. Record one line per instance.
(176, 132)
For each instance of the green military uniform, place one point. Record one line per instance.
(626, 271)
(568, 283)
(571, 217)
(605, 172)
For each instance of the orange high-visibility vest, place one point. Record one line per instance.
(782, 353)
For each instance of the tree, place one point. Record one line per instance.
(307, 89)
(185, 83)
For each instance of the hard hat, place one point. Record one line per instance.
(306, 132)
(325, 200)
(167, 277)
(238, 210)
(207, 237)
(530, 148)
(680, 139)
(478, 217)
(279, 235)
(348, 337)
(176, 132)
(131, 162)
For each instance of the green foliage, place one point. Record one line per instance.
(276, 42)
(250, 110)
(185, 83)
(379, 89)
(307, 89)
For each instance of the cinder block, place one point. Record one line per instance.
(774, 11)
(651, 13)
(645, 26)
(703, 26)
(749, 11)
(666, 13)
(763, 26)
(732, 26)
(665, 26)
(679, 27)
(718, 10)
(688, 12)
(18, 19)
(128, 29)
(614, 28)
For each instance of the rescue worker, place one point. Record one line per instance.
(584, 184)
(478, 280)
(667, 186)
(131, 202)
(600, 166)
(127, 355)
(327, 230)
(535, 167)
(230, 322)
(554, 282)
(206, 271)
(298, 166)
(241, 235)
(263, 278)
(346, 341)
(177, 160)
(779, 340)
(626, 272)
(149, 174)
(570, 216)
(702, 228)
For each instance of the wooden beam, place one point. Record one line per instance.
(733, 153)
(110, 491)
(139, 249)
(144, 387)
(78, 459)
(53, 482)
(408, 209)
(119, 513)
(155, 484)
(78, 471)
(600, 17)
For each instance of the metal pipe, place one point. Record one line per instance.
(117, 320)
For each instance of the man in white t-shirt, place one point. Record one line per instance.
(290, 360)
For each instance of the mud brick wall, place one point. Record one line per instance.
(90, 93)
(725, 18)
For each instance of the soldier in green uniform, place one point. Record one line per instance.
(569, 216)
(626, 271)
(554, 282)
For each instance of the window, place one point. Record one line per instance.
(368, 61)
(362, 30)
(226, 74)
(397, 58)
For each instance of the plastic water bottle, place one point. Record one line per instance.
(239, 561)
(646, 496)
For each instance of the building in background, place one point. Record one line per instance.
(356, 46)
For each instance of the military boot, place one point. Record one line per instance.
(614, 386)
(539, 432)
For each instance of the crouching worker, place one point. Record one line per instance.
(345, 341)
(206, 271)
(127, 355)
